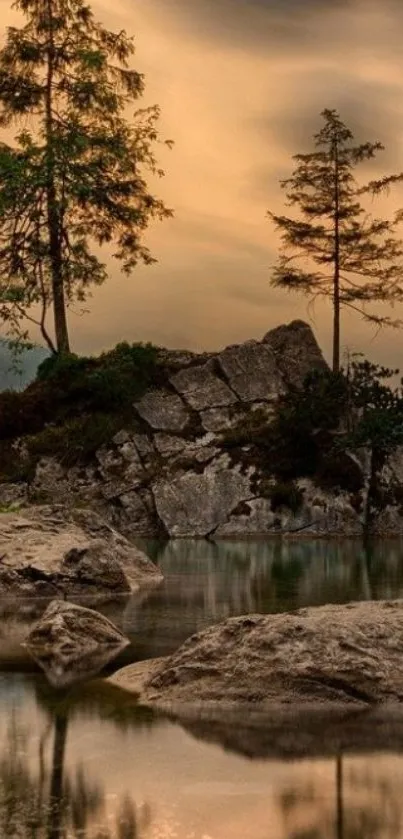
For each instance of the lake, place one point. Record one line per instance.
(93, 765)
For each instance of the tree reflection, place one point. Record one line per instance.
(40, 799)
(363, 808)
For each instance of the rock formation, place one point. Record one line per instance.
(71, 643)
(348, 656)
(46, 551)
(169, 472)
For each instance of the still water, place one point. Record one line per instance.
(93, 765)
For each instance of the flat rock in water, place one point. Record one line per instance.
(71, 643)
(46, 551)
(347, 656)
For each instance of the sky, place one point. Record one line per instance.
(241, 84)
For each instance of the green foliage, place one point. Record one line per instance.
(76, 174)
(335, 249)
(76, 405)
(286, 494)
(377, 416)
(76, 441)
(306, 422)
(110, 382)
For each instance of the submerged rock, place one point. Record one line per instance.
(46, 551)
(331, 656)
(71, 643)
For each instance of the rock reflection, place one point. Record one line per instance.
(39, 799)
(207, 582)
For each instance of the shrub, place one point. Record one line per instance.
(109, 382)
(71, 386)
(285, 494)
(76, 441)
(339, 469)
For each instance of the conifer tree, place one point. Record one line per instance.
(75, 176)
(335, 249)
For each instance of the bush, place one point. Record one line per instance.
(339, 469)
(70, 386)
(284, 494)
(109, 382)
(76, 441)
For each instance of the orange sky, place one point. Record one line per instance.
(241, 84)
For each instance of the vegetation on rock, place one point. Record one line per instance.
(75, 405)
(318, 429)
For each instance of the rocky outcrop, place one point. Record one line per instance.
(71, 643)
(168, 471)
(46, 551)
(296, 351)
(347, 656)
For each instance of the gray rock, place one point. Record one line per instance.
(296, 351)
(201, 388)
(48, 550)
(71, 643)
(163, 411)
(143, 445)
(217, 419)
(254, 517)
(196, 504)
(168, 445)
(252, 371)
(327, 657)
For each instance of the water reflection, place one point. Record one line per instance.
(365, 805)
(90, 764)
(72, 767)
(39, 797)
(206, 582)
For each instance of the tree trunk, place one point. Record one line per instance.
(336, 276)
(56, 784)
(339, 798)
(53, 219)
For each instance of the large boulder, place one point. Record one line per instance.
(71, 643)
(48, 551)
(347, 656)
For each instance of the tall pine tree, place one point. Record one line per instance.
(335, 249)
(75, 176)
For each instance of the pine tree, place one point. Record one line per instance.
(336, 249)
(75, 175)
